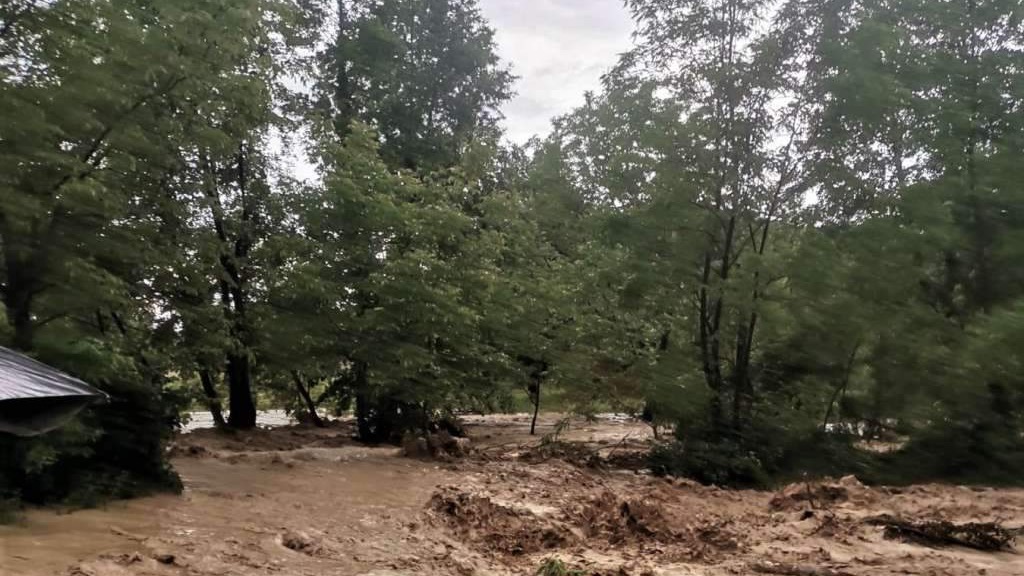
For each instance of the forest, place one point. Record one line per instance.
(781, 229)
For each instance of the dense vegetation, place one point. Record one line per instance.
(781, 228)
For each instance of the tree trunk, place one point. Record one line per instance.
(212, 400)
(234, 298)
(363, 427)
(242, 413)
(535, 397)
(19, 314)
(843, 385)
(344, 110)
(18, 297)
(742, 386)
(303, 391)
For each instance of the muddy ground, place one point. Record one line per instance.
(302, 501)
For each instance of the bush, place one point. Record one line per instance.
(764, 456)
(978, 453)
(724, 463)
(965, 454)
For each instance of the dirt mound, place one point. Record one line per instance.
(821, 494)
(496, 527)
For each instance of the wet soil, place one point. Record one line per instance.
(303, 501)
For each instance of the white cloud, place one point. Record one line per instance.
(559, 49)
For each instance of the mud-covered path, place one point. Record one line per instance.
(301, 501)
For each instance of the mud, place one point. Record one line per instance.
(303, 501)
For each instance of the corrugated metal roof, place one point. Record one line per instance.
(35, 398)
(22, 377)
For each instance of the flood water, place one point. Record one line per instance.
(264, 419)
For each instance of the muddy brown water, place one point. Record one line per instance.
(304, 502)
(231, 517)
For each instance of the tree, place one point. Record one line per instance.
(423, 73)
(424, 76)
(220, 205)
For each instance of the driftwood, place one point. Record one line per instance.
(986, 536)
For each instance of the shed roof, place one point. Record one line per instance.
(35, 398)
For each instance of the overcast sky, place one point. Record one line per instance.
(558, 49)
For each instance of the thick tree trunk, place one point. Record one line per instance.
(234, 298)
(242, 413)
(212, 399)
(303, 391)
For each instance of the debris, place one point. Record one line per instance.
(783, 569)
(128, 559)
(300, 542)
(126, 534)
(575, 453)
(987, 536)
(440, 445)
(822, 494)
(497, 527)
(415, 447)
(621, 520)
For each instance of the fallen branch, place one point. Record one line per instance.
(783, 569)
(125, 534)
(985, 536)
(614, 447)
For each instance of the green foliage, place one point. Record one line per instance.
(423, 73)
(114, 109)
(556, 567)
(823, 235)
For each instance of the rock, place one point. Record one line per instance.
(164, 558)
